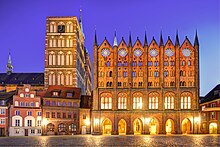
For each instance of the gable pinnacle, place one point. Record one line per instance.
(130, 43)
(161, 39)
(196, 42)
(115, 40)
(145, 39)
(177, 43)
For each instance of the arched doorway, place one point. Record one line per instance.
(50, 129)
(107, 127)
(62, 129)
(137, 126)
(186, 126)
(72, 129)
(122, 127)
(153, 126)
(212, 128)
(169, 126)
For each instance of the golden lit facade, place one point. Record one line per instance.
(65, 53)
(146, 89)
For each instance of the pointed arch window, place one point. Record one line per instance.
(134, 74)
(122, 101)
(137, 101)
(106, 101)
(189, 63)
(183, 63)
(186, 101)
(156, 74)
(169, 102)
(153, 101)
(125, 74)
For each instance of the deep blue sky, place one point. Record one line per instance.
(23, 23)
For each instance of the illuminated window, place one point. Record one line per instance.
(37, 104)
(32, 95)
(153, 100)
(185, 101)
(16, 103)
(55, 93)
(137, 102)
(169, 102)
(122, 101)
(22, 95)
(69, 79)
(106, 101)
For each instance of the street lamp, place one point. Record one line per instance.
(197, 120)
(44, 123)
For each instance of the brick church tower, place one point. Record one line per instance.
(67, 61)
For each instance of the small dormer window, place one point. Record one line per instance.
(55, 93)
(69, 94)
(27, 90)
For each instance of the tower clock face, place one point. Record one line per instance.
(122, 52)
(186, 52)
(61, 29)
(153, 52)
(169, 52)
(137, 52)
(105, 52)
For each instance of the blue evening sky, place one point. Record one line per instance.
(23, 24)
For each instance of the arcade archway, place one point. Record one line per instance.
(186, 126)
(107, 127)
(122, 127)
(137, 126)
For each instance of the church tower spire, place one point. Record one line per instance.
(80, 22)
(9, 67)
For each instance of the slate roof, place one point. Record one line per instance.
(212, 95)
(22, 78)
(7, 95)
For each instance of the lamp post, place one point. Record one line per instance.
(197, 120)
(44, 126)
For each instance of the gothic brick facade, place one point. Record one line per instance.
(146, 89)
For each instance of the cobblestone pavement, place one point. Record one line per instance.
(130, 140)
